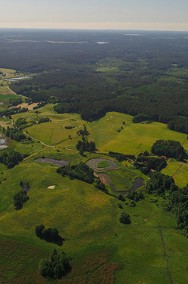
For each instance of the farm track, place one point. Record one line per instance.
(37, 140)
(34, 154)
(165, 255)
(181, 166)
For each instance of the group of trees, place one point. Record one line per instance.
(10, 111)
(80, 172)
(121, 157)
(176, 198)
(83, 132)
(135, 195)
(159, 184)
(179, 124)
(98, 184)
(21, 197)
(48, 234)
(178, 204)
(11, 158)
(56, 266)
(143, 118)
(86, 146)
(170, 149)
(84, 173)
(20, 123)
(146, 163)
(15, 134)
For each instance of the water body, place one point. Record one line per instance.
(102, 42)
(59, 163)
(133, 34)
(46, 41)
(17, 79)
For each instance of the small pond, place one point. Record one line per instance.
(58, 163)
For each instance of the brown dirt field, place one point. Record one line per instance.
(105, 179)
(5, 124)
(29, 106)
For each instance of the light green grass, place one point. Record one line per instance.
(136, 138)
(103, 164)
(179, 171)
(7, 96)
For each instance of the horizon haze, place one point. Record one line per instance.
(110, 14)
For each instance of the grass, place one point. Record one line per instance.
(102, 249)
(7, 96)
(179, 171)
(5, 91)
(136, 138)
(89, 221)
(103, 164)
(124, 177)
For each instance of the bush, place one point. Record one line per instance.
(49, 234)
(19, 199)
(125, 218)
(121, 197)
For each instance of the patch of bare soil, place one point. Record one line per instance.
(26, 105)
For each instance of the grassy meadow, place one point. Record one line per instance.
(150, 250)
(88, 220)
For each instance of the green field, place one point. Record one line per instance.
(150, 250)
(88, 220)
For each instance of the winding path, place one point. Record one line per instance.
(44, 144)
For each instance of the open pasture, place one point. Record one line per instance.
(89, 221)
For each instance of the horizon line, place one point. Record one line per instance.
(92, 29)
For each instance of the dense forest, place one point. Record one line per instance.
(144, 74)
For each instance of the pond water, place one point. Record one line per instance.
(59, 163)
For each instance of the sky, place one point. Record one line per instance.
(95, 14)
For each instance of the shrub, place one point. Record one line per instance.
(125, 218)
(49, 234)
(19, 199)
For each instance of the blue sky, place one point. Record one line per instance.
(113, 14)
